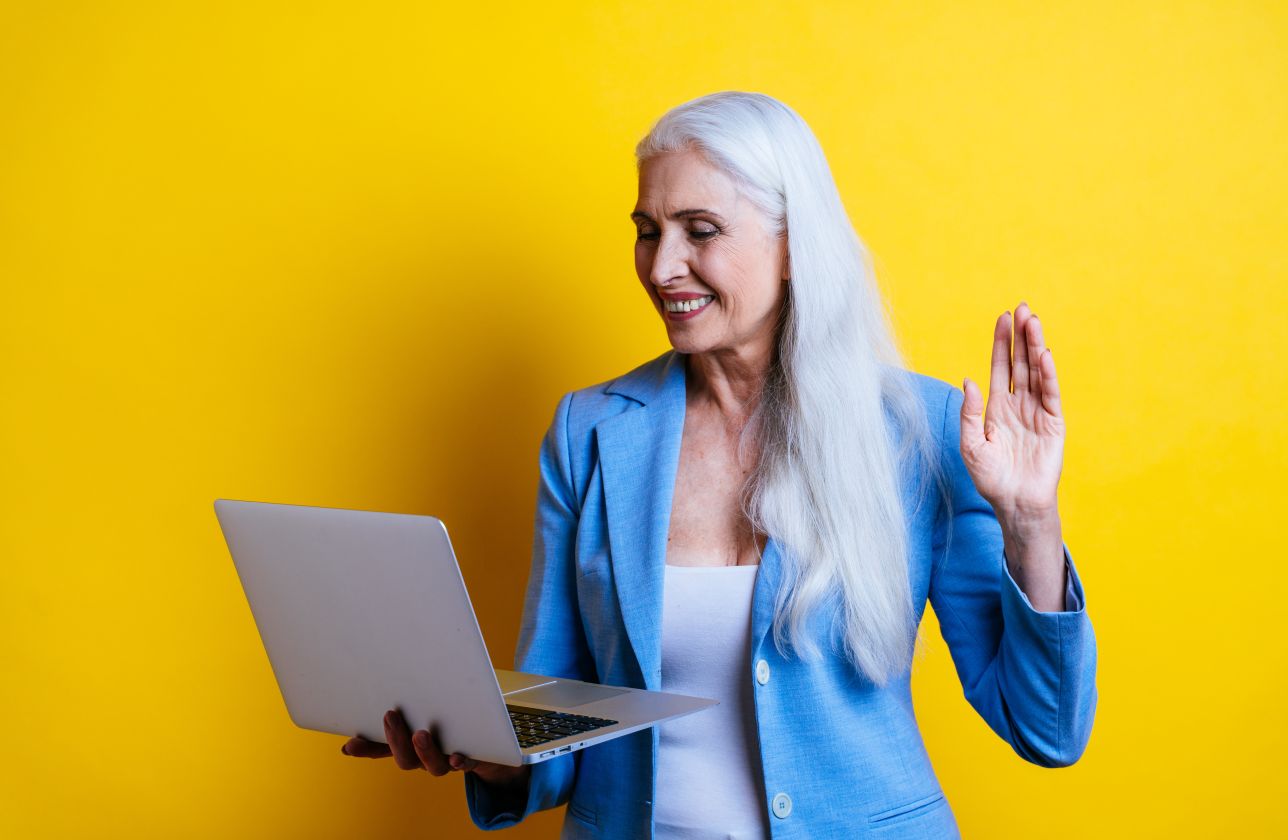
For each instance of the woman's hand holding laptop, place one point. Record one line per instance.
(420, 751)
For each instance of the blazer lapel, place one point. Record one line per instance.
(639, 453)
(764, 593)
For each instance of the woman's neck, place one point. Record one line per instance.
(728, 381)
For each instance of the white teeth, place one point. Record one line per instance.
(688, 305)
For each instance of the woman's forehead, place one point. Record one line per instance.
(683, 180)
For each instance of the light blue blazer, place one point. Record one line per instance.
(841, 758)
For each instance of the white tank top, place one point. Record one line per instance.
(709, 784)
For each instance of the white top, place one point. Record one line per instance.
(709, 784)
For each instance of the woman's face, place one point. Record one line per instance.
(704, 247)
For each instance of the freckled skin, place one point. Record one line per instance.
(729, 344)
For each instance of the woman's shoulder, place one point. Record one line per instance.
(644, 383)
(579, 411)
(935, 394)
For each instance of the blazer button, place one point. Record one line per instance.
(782, 806)
(762, 672)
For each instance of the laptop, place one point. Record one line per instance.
(361, 612)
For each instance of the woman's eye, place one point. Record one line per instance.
(645, 235)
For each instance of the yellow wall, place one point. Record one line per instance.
(312, 254)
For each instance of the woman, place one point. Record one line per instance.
(780, 468)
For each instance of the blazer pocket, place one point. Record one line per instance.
(907, 810)
(582, 813)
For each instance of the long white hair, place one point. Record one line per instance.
(827, 483)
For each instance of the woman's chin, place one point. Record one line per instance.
(682, 342)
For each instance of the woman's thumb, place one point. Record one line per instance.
(972, 418)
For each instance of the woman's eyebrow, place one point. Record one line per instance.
(679, 214)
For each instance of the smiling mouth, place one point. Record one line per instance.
(681, 306)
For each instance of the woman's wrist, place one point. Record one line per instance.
(508, 788)
(1035, 553)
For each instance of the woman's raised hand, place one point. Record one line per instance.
(1014, 447)
(420, 751)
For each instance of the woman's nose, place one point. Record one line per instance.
(669, 261)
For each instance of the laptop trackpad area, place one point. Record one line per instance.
(560, 693)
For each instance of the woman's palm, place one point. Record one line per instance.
(1013, 448)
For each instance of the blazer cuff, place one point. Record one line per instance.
(489, 808)
(549, 784)
(1047, 663)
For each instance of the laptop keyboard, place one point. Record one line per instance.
(538, 726)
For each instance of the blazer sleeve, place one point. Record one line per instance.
(551, 641)
(1030, 674)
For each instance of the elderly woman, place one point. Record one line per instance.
(781, 470)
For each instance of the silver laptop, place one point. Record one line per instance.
(361, 612)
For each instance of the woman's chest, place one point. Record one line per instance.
(709, 525)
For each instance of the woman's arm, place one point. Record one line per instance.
(1009, 601)
(551, 641)
(1030, 674)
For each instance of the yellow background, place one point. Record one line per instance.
(306, 253)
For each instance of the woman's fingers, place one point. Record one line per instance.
(999, 380)
(399, 738)
(1050, 387)
(1037, 346)
(360, 747)
(1020, 367)
(429, 754)
(415, 751)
